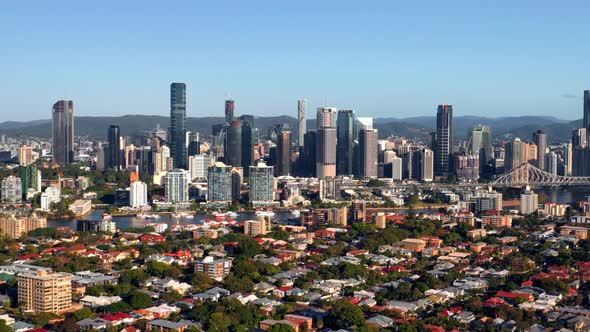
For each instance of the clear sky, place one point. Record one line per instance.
(381, 58)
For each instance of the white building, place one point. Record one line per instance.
(529, 202)
(12, 190)
(176, 182)
(198, 166)
(138, 194)
(396, 168)
(45, 202)
(427, 165)
(54, 194)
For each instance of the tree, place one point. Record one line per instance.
(218, 322)
(82, 314)
(4, 327)
(343, 315)
(68, 325)
(140, 300)
(249, 248)
(281, 328)
(120, 306)
(201, 282)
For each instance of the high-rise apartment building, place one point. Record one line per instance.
(114, 148)
(247, 142)
(30, 177)
(12, 191)
(233, 144)
(257, 227)
(444, 140)
(368, 153)
(41, 290)
(345, 142)
(301, 121)
(540, 139)
(229, 111)
(138, 194)
(261, 185)
(283, 161)
(529, 202)
(62, 146)
(178, 148)
(326, 142)
(519, 152)
(177, 182)
(219, 182)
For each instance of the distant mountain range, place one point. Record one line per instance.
(503, 128)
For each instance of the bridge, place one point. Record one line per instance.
(529, 175)
(523, 175)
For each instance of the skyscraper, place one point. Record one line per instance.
(247, 142)
(310, 153)
(261, 184)
(579, 138)
(194, 144)
(178, 124)
(444, 140)
(480, 143)
(345, 142)
(368, 153)
(283, 150)
(62, 147)
(301, 121)
(229, 111)
(326, 142)
(138, 194)
(219, 181)
(177, 182)
(233, 144)
(540, 139)
(586, 120)
(114, 148)
(427, 165)
(30, 177)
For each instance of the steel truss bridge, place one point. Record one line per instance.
(529, 175)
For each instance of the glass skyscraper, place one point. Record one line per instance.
(62, 147)
(345, 142)
(444, 140)
(178, 145)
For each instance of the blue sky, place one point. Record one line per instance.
(381, 58)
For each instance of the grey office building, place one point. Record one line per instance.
(114, 148)
(586, 120)
(261, 184)
(62, 147)
(178, 146)
(480, 143)
(229, 111)
(233, 144)
(540, 139)
(219, 180)
(368, 153)
(301, 121)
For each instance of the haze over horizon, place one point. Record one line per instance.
(381, 59)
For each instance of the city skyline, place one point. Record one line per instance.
(388, 63)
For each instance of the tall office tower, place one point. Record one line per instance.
(345, 142)
(237, 176)
(247, 118)
(480, 143)
(138, 194)
(247, 143)
(412, 164)
(62, 147)
(392, 165)
(177, 182)
(194, 145)
(310, 153)
(301, 121)
(427, 157)
(199, 165)
(30, 177)
(567, 159)
(178, 124)
(229, 111)
(579, 138)
(586, 121)
(42, 290)
(11, 190)
(233, 144)
(219, 181)
(444, 140)
(551, 162)
(283, 152)
(326, 142)
(368, 153)
(540, 139)
(114, 148)
(261, 185)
